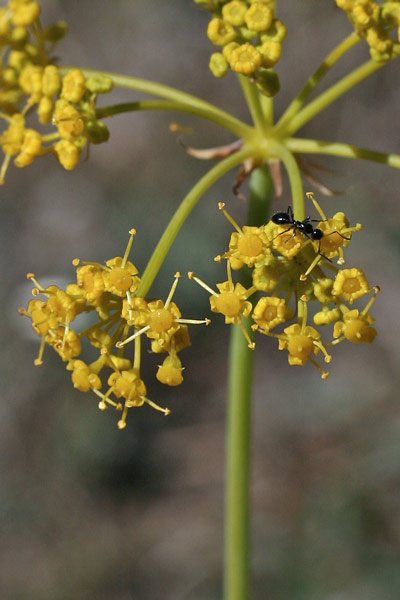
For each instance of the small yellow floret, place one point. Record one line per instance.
(259, 17)
(170, 372)
(67, 153)
(220, 32)
(271, 52)
(218, 64)
(245, 59)
(73, 86)
(24, 13)
(350, 284)
(269, 312)
(234, 12)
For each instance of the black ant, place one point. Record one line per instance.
(305, 227)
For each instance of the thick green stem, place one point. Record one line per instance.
(323, 68)
(252, 97)
(296, 184)
(116, 109)
(238, 437)
(331, 94)
(187, 204)
(164, 91)
(346, 150)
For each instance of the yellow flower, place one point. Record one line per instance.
(220, 32)
(67, 153)
(90, 282)
(162, 321)
(234, 12)
(31, 147)
(285, 240)
(231, 302)
(267, 275)
(24, 12)
(259, 17)
(327, 316)
(355, 327)
(269, 312)
(170, 372)
(350, 284)
(365, 13)
(322, 289)
(277, 32)
(271, 52)
(11, 140)
(68, 120)
(120, 276)
(248, 246)
(176, 343)
(83, 377)
(65, 342)
(30, 81)
(301, 342)
(218, 64)
(245, 59)
(73, 86)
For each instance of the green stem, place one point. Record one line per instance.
(187, 204)
(116, 109)
(345, 150)
(238, 437)
(165, 91)
(267, 105)
(252, 97)
(331, 94)
(310, 84)
(296, 184)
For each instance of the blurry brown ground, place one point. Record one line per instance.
(90, 512)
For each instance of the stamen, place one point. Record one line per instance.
(310, 196)
(38, 361)
(166, 411)
(4, 167)
(314, 263)
(194, 321)
(132, 337)
(231, 220)
(105, 399)
(319, 344)
(191, 275)
(324, 374)
(377, 289)
(138, 353)
(122, 422)
(249, 341)
(172, 290)
(31, 277)
(132, 232)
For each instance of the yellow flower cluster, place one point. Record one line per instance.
(28, 78)
(375, 21)
(288, 265)
(108, 292)
(251, 40)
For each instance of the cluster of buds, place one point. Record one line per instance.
(28, 78)
(375, 21)
(288, 264)
(109, 292)
(251, 40)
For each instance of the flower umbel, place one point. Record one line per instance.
(30, 78)
(288, 264)
(108, 293)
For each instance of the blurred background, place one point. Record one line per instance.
(88, 511)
